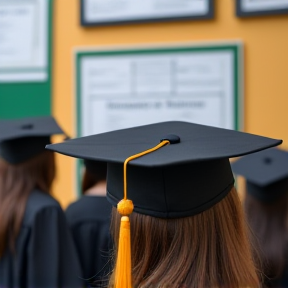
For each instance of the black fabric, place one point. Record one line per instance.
(177, 180)
(263, 168)
(45, 252)
(268, 193)
(89, 220)
(172, 191)
(197, 143)
(266, 173)
(19, 150)
(96, 167)
(22, 139)
(28, 126)
(281, 282)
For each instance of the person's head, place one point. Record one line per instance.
(186, 213)
(266, 205)
(95, 172)
(24, 165)
(210, 249)
(269, 223)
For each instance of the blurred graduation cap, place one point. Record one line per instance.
(266, 173)
(181, 179)
(96, 167)
(21, 139)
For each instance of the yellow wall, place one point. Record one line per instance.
(265, 42)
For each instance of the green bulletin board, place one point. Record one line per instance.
(122, 87)
(116, 82)
(27, 90)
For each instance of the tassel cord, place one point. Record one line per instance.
(161, 144)
(123, 273)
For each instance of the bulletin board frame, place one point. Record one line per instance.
(234, 47)
(258, 12)
(85, 22)
(29, 98)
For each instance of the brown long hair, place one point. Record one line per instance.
(95, 171)
(16, 183)
(210, 249)
(268, 222)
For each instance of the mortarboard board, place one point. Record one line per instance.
(177, 180)
(21, 139)
(184, 178)
(266, 173)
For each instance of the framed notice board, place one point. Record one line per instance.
(110, 12)
(121, 88)
(25, 58)
(118, 88)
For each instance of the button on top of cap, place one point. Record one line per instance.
(173, 139)
(27, 126)
(268, 160)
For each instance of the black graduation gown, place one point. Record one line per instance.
(89, 220)
(281, 282)
(45, 253)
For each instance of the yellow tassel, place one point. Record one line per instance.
(123, 270)
(123, 275)
(123, 265)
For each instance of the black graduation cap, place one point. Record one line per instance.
(184, 178)
(266, 173)
(21, 139)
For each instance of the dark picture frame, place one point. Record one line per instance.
(241, 13)
(130, 20)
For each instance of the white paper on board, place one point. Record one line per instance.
(122, 91)
(123, 10)
(23, 40)
(262, 5)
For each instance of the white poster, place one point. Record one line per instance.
(119, 91)
(262, 5)
(23, 40)
(124, 10)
